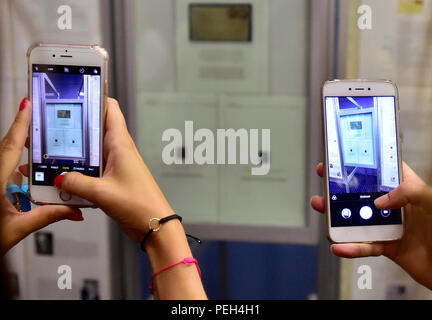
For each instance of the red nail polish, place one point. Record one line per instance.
(76, 215)
(23, 104)
(58, 181)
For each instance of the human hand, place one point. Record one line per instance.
(128, 193)
(413, 252)
(14, 225)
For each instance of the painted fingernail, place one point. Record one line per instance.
(58, 181)
(23, 104)
(75, 215)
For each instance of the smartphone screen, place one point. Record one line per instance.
(362, 153)
(66, 121)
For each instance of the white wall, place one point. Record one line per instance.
(170, 91)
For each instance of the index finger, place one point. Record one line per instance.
(114, 119)
(13, 143)
(116, 132)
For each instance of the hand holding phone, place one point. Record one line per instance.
(128, 193)
(16, 225)
(413, 250)
(362, 159)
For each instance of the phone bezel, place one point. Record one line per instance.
(375, 233)
(60, 54)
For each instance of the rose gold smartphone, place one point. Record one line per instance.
(362, 159)
(67, 85)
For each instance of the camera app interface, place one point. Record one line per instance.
(362, 159)
(66, 121)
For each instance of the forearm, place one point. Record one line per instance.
(165, 247)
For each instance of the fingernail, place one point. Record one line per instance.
(23, 104)
(380, 202)
(58, 181)
(75, 215)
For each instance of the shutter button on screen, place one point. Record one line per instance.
(366, 212)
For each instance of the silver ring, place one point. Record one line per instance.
(150, 226)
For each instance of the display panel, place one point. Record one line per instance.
(220, 22)
(64, 130)
(66, 121)
(362, 154)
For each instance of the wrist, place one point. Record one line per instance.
(140, 215)
(167, 245)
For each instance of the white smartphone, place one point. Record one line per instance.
(362, 159)
(67, 85)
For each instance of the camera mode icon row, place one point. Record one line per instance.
(365, 212)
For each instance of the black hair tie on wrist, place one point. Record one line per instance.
(157, 228)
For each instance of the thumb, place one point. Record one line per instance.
(407, 193)
(357, 250)
(80, 185)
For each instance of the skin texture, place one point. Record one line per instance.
(128, 194)
(413, 252)
(15, 225)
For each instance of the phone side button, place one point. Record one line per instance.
(65, 196)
